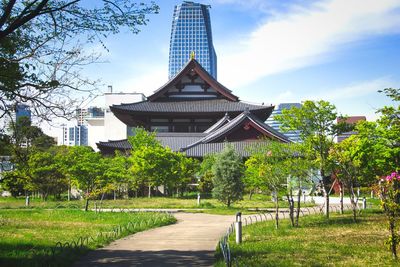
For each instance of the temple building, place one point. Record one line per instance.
(195, 114)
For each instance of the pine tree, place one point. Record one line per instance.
(228, 170)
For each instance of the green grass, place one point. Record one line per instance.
(317, 242)
(27, 236)
(208, 204)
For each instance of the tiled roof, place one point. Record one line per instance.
(225, 129)
(200, 144)
(175, 141)
(218, 124)
(199, 151)
(115, 144)
(187, 106)
(243, 148)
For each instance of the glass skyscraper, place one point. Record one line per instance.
(293, 136)
(191, 32)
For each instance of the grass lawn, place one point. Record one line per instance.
(26, 235)
(317, 242)
(208, 204)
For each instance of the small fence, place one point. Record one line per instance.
(260, 217)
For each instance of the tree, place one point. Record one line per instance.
(151, 162)
(390, 198)
(315, 121)
(299, 167)
(206, 174)
(252, 177)
(155, 166)
(267, 167)
(5, 145)
(46, 175)
(87, 171)
(186, 170)
(228, 170)
(389, 125)
(41, 55)
(346, 156)
(118, 171)
(16, 182)
(27, 137)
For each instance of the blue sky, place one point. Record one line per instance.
(275, 51)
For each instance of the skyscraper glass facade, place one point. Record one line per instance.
(293, 136)
(191, 32)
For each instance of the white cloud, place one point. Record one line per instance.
(146, 82)
(302, 37)
(357, 90)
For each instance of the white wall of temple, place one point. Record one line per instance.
(96, 132)
(114, 128)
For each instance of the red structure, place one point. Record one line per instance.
(349, 120)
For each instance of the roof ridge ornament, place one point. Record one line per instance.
(192, 55)
(247, 111)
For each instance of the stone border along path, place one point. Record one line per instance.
(189, 242)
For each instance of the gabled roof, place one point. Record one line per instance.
(199, 144)
(194, 66)
(218, 124)
(245, 119)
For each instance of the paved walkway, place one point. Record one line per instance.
(189, 242)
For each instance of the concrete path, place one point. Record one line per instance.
(189, 242)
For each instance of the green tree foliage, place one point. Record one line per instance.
(187, 168)
(27, 138)
(299, 166)
(389, 121)
(87, 171)
(315, 121)
(41, 48)
(5, 145)
(16, 182)
(346, 157)
(266, 167)
(46, 175)
(228, 171)
(155, 165)
(206, 174)
(118, 172)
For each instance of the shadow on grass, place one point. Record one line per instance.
(26, 254)
(146, 258)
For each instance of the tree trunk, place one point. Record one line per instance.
(341, 198)
(392, 230)
(326, 193)
(251, 194)
(229, 202)
(87, 204)
(149, 191)
(353, 203)
(291, 207)
(276, 211)
(298, 208)
(115, 195)
(69, 191)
